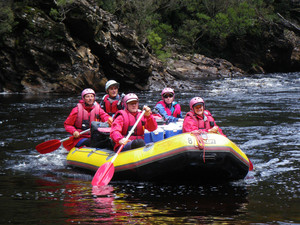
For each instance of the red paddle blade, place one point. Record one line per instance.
(104, 174)
(48, 146)
(69, 144)
(250, 165)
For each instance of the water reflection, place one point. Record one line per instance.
(137, 203)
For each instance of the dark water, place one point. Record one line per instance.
(260, 114)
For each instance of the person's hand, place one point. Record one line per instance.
(123, 141)
(76, 134)
(213, 130)
(180, 120)
(109, 121)
(147, 110)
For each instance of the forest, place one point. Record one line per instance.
(188, 26)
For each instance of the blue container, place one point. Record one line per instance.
(147, 137)
(172, 129)
(154, 136)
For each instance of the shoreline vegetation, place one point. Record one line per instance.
(65, 45)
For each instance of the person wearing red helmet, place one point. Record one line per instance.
(199, 118)
(169, 109)
(112, 101)
(81, 116)
(124, 121)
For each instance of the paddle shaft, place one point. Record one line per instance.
(52, 145)
(128, 136)
(106, 171)
(82, 132)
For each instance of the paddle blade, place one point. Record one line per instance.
(104, 174)
(48, 146)
(250, 165)
(69, 144)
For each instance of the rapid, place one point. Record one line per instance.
(261, 114)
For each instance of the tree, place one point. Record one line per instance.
(6, 17)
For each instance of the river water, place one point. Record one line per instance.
(261, 114)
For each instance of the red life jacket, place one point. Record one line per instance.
(129, 121)
(85, 118)
(176, 112)
(207, 122)
(110, 105)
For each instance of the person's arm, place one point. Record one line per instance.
(69, 123)
(150, 121)
(189, 125)
(215, 128)
(102, 103)
(163, 113)
(116, 129)
(120, 104)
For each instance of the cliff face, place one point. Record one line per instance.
(86, 48)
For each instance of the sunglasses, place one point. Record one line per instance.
(168, 96)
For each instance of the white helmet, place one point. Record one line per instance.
(110, 83)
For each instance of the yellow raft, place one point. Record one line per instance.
(177, 158)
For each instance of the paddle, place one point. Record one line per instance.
(52, 145)
(106, 171)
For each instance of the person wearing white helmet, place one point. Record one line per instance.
(124, 121)
(199, 119)
(169, 109)
(81, 117)
(112, 101)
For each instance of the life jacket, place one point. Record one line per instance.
(207, 122)
(176, 112)
(110, 105)
(129, 121)
(84, 118)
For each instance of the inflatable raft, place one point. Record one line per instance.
(180, 158)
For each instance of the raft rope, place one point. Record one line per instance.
(200, 141)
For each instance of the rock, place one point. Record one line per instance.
(84, 50)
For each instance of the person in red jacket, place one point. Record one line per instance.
(199, 119)
(81, 116)
(124, 121)
(112, 101)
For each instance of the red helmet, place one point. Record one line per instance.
(194, 101)
(87, 91)
(130, 98)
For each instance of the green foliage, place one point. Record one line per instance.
(63, 6)
(192, 22)
(63, 3)
(155, 41)
(6, 17)
(158, 37)
(237, 20)
(189, 32)
(55, 14)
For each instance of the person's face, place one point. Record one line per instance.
(168, 98)
(199, 110)
(89, 99)
(113, 91)
(133, 106)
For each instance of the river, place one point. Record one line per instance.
(261, 114)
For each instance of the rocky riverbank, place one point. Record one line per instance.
(89, 46)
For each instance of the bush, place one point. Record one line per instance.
(6, 17)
